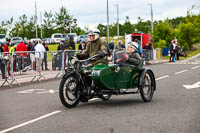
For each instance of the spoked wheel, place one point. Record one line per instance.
(69, 91)
(54, 64)
(148, 87)
(105, 97)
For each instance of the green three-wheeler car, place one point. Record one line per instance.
(81, 83)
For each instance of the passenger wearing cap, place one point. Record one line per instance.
(131, 57)
(95, 46)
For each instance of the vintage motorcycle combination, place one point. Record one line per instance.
(83, 82)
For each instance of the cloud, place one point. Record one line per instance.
(91, 12)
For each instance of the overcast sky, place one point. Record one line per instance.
(93, 12)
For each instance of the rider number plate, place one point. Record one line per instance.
(95, 72)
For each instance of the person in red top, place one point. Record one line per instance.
(21, 47)
(5, 47)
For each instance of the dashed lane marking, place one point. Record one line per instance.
(38, 91)
(29, 122)
(180, 72)
(195, 67)
(163, 77)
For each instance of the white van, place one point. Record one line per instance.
(2, 38)
(57, 37)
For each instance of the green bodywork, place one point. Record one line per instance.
(115, 77)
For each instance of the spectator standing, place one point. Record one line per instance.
(81, 46)
(45, 56)
(60, 50)
(148, 51)
(177, 51)
(21, 47)
(32, 54)
(13, 49)
(29, 46)
(172, 51)
(2, 64)
(72, 43)
(111, 47)
(139, 47)
(39, 54)
(119, 45)
(5, 47)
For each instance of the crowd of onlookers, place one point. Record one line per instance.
(176, 50)
(27, 54)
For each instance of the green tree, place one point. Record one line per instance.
(103, 29)
(49, 24)
(163, 31)
(127, 27)
(63, 20)
(20, 27)
(143, 26)
(187, 34)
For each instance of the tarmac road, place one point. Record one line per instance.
(36, 108)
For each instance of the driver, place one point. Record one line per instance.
(94, 46)
(131, 57)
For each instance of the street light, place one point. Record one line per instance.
(151, 17)
(36, 31)
(107, 23)
(117, 19)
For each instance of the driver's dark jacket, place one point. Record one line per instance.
(93, 48)
(134, 59)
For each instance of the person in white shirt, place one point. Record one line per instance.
(39, 53)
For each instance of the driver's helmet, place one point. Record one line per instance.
(95, 32)
(133, 45)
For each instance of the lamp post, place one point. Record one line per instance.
(151, 17)
(36, 32)
(41, 24)
(107, 23)
(117, 19)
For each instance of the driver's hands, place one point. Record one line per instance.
(78, 55)
(102, 53)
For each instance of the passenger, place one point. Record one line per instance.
(132, 57)
(95, 46)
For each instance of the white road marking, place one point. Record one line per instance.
(196, 67)
(195, 85)
(180, 72)
(38, 91)
(29, 122)
(166, 76)
(30, 91)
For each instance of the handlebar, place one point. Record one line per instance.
(88, 58)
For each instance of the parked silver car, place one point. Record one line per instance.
(16, 40)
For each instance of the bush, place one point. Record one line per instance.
(161, 44)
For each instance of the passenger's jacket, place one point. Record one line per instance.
(93, 48)
(134, 59)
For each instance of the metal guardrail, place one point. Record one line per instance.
(18, 65)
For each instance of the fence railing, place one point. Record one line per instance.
(32, 65)
(36, 65)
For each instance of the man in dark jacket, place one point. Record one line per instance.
(132, 57)
(2, 64)
(95, 46)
